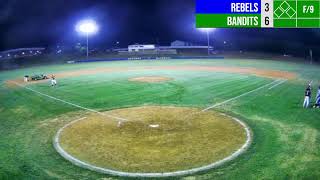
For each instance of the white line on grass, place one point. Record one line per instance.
(69, 103)
(237, 97)
(278, 84)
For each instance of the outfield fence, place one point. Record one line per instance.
(149, 58)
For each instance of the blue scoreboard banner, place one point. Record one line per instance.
(228, 7)
(258, 13)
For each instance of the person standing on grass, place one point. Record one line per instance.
(53, 81)
(318, 99)
(307, 97)
(26, 78)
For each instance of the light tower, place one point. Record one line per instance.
(207, 30)
(87, 27)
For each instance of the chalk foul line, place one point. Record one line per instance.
(278, 84)
(237, 97)
(69, 103)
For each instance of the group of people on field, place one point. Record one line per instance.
(307, 98)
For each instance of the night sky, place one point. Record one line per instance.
(30, 23)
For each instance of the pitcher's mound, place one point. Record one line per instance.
(153, 140)
(150, 79)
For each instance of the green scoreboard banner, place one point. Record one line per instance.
(258, 13)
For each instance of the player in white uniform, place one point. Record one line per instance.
(307, 97)
(53, 81)
(26, 78)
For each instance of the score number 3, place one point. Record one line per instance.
(267, 18)
(267, 13)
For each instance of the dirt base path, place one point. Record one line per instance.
(150, 79)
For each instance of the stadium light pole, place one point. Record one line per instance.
(208, 30)
(87, 27)
(87, 45)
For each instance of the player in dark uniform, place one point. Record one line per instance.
(307, 97)
(317, 105)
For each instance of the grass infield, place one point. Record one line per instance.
(154, 140)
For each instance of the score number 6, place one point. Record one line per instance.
(267, 9)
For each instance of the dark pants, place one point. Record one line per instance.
(318, 102)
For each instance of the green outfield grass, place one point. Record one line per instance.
(286, 142)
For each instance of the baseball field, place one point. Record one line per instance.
(161, 116)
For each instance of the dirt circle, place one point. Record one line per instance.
(153, 142)
(150, 79)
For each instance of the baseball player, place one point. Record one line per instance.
(318, 99)
(26, 78)
(307, 97)
(53, 81)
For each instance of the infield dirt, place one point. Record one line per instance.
(178, 142)
(252, 71)
(150, 79)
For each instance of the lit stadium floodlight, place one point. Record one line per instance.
(87, 27)
(207, 30)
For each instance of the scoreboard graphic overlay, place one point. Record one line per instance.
(258, 13)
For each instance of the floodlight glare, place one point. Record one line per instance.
(87, 27)
(207, 30)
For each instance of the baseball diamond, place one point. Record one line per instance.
(162, 118)
(154, 89)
